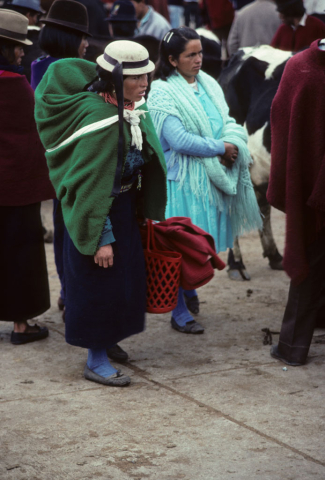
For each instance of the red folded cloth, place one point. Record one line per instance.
(199, 257)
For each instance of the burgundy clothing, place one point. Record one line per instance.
(24, 176)
(286, 38)
(297, 179)
(199, 257)
(160, 6)
(221, 13)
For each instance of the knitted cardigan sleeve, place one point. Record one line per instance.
(182, 141)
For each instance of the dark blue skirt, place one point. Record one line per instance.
(106, 305)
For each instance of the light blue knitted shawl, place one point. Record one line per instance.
(231, 190)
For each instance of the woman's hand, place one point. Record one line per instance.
(104, 256)
(230, 155)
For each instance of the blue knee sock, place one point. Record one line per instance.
(98, 362)
(190, 293)
(180, 314)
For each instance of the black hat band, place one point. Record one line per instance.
(126, 65)
(9, 33)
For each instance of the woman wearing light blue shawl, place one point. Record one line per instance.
(205, 151)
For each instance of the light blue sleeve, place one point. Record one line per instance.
(180, 140)
(107, 234)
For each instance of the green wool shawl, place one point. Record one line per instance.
(83, 171)
(229, 189)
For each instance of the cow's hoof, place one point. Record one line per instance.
(238, 275)
(275, 261)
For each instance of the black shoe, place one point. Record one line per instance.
(189, 327)
(193, 304)
(21, 338)
(117, 353)
(61, 303)
(274, 352)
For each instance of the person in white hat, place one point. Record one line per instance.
(102, 152)
(24, 183)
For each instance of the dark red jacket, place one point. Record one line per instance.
(221, 13)
(297, 179)
(24, 176)
(199, 257)
(286, 38)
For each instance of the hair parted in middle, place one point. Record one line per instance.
(174, 43)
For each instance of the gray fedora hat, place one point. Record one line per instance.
(30, 4)
(14, 26)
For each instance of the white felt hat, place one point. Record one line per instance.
(133, 57)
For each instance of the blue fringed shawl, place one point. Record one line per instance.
(231, 190)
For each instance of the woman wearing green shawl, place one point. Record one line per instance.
(102, 150)
(206, 153)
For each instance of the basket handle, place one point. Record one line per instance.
(150, 236)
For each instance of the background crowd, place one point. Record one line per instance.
(34, 35)
(286, 24)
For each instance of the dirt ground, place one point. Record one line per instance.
(208, 407)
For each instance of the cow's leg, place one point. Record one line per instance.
(269, 247)
(237, 270)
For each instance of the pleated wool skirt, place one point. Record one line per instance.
(107, 305)
(25, 288)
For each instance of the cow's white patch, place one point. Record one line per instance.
(207, 34)
(273, 56)
(260, 170)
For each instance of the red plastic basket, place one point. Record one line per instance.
(163, 275)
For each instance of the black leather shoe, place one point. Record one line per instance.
(192, 304)
(189, 327)
(117, 353)
(275, 354)
(21, 338)
(61, 303)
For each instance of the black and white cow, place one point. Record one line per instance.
(250, 82)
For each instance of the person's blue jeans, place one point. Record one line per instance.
(175, 14)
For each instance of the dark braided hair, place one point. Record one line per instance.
(174, 43)
(103, 82)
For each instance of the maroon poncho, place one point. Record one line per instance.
(24, 176)
(297, 181)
